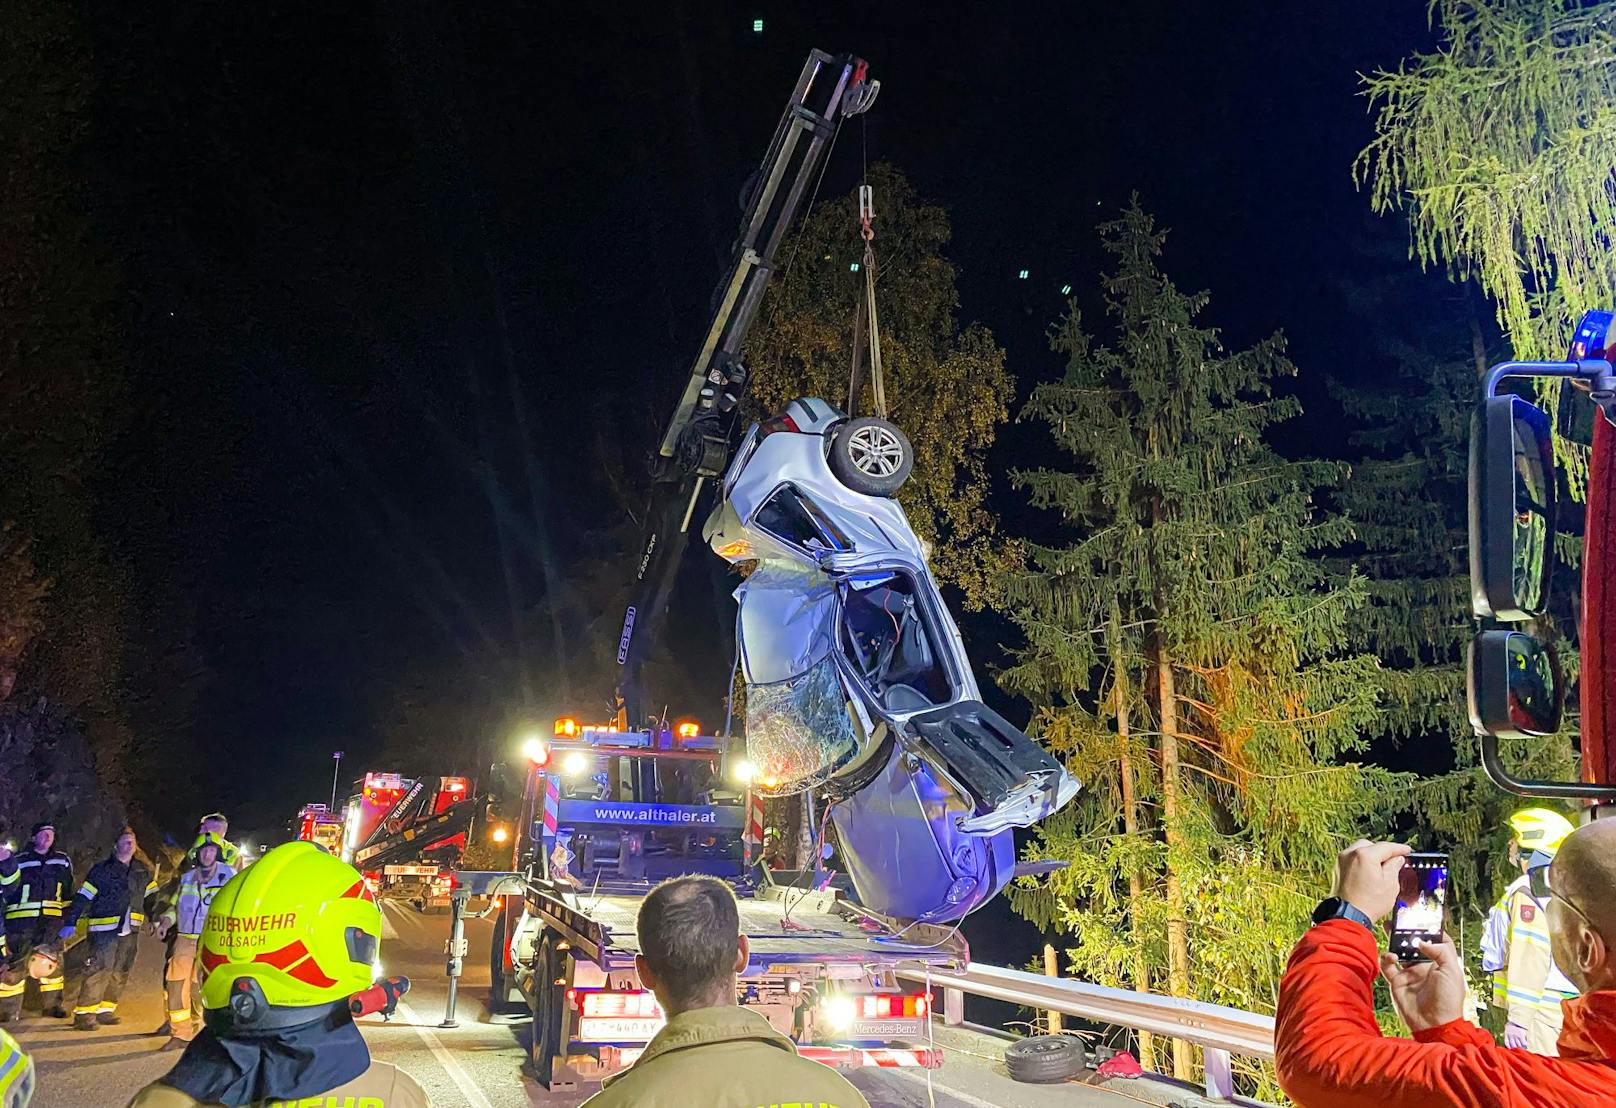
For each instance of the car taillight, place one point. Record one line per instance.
(891, 1006)
(599, 1004)
(779, 423)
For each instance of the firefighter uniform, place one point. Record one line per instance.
(112, 902)
(1526, 983)
(185, 917)
(36, 888)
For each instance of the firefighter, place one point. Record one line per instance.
(214, 823)
(286, 943)
(37, 883)
(197, 888)
(1515, 942)
(16, 1073)
(113, 902)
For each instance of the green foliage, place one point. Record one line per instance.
(1192, 547)
(1500, 146)
(946, 385)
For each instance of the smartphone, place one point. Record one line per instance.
(1422, 905)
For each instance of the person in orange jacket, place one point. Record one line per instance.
(1330, 1053)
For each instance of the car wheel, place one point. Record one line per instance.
(871, 456)
(1046, 1058)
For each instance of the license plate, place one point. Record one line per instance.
(887, 1029)
(612, 1029)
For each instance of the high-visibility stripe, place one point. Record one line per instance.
(52, 984)
(104, 919)
(85, 1010)
(19, 912)
(179, 1015)
(136, 917)
(12, 990)
(88, 890)
(13, 1064)
(109, 1006)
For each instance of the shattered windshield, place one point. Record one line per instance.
(798, 731)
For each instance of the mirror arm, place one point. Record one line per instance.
(1493, 766)
(1598, 374)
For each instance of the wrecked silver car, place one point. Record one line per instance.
(857, 681)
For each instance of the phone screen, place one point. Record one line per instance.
(1422, 900)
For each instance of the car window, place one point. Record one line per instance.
(791, 516)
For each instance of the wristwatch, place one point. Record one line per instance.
(1333, 907)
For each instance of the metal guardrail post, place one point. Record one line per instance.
(455, 948)
(1219, 1073)
(953, 1007)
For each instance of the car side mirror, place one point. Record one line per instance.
(1515, 688)
(1512, 509)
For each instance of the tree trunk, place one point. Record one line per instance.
(1178, 946)
(1136, 883)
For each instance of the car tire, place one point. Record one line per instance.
(871, 456)
(1045, 1059)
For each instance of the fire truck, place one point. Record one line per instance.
(318, 824)
(602, 815)
(398, 821)
(1517, 688)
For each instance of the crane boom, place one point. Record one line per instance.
(695, 445)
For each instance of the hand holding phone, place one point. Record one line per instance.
(1422, 905)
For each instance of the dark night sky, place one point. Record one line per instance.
(354, 238)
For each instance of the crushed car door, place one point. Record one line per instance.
(908, 660)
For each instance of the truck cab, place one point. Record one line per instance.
(606, 814)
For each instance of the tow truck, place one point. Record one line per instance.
(604, 815)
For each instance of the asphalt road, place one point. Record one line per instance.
(478, 1064)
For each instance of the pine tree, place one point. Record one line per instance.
(1407, 498)
(1182, 639)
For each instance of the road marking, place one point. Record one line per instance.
(948, 1090)
(468, 1088)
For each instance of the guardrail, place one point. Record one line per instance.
(1221, 1032)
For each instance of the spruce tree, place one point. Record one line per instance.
(1407, 498)
(1182, 640)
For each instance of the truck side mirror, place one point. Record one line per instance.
(1512, 509)
(1515, 689)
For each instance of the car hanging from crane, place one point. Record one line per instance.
(858, 686)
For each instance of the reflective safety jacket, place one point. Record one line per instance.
(383, 1085)
(36, 884)
(1515, 950)
(190, 907)
(113, 897)
(724, 1057)
(1330, 1052)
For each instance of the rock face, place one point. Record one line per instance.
(48, 771)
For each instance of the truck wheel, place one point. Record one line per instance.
(871, 456)
(1046, 1058)
(499, 991)
(548, 999)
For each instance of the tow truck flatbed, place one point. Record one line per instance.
(783, 926)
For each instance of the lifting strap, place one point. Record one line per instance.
(866, 323)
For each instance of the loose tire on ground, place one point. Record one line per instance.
(1046, 1058)
(871, 456)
